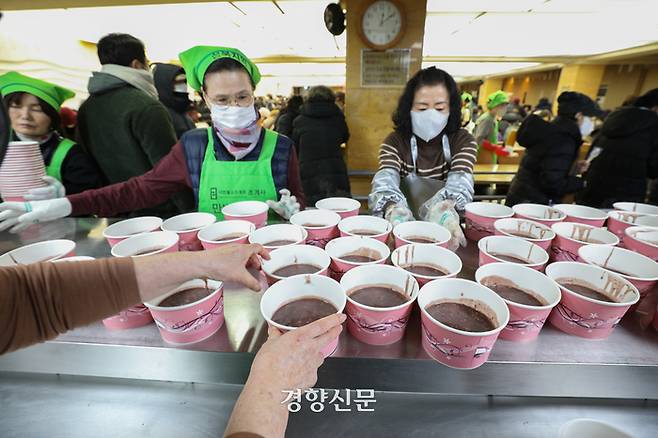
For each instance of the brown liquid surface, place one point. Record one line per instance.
(355, 258)
(509, 258)
(309, 225)
(426, 269)
(460, 317)
(148, 251)
(296, 269)
(364, 232)
(228, 237)
(419, 239)
(515, 294)
(585, 291)
(185, 297)
(303, 311)
(521, 234)
(378, 296)
(282, 242)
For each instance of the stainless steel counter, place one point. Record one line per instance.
(623, 367)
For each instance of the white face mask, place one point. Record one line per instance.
(586, 126)
(429, 123)
(232, 117)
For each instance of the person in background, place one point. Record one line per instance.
(624, 155)
(122, 124)
(33, 106)
(467, 115)
(429, 157)
(318, 132)
(547, 172)
(512, 118)
(233, 160)
(171, 84)
(486, 131)
(544, 109)
(340, 100)
(515, 107)
(291, 111)
(69, 118)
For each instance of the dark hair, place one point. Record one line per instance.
(648, 99)
(121, 49)
(320, 93)
(55, 119)
(340, 97)
(294, 103)
(428, 76)
(226, 64)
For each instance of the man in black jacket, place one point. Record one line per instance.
(171, 84)
(628, 155)
(547, 170)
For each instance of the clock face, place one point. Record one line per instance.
(382, 23)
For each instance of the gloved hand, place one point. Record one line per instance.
(20, 215)
(497, 149)
(397, 214)
(54, 190)
(444, 213)
(286, 206)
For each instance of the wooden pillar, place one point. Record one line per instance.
(368, 110)
(489, 86)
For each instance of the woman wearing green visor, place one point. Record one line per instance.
(234, 160)
(33, 106)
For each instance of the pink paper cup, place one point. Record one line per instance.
(302, 286)
(639, 239)
(122, 230)
(46, 251)
(270, 234)
(378, 325)
(290, 255)
(542, 235)
(570, 236)
(480, 218)
(419, 254)
(421, 229)
(132, 317)
(193, 322)
(251, 211)
(647, 221)
(539, 213)
(619, 220)
(156, 242)
(636, 207)
(321, 225)
(525, 322)
(345, 207)
(351, 226)
(457, 348)
(639, 270)
(342, 246)
(582, 214)
(492, 247)
(211, 235)
(187, 227)
(586, 317)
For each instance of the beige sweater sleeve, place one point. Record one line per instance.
(40, 301)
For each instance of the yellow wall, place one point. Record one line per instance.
(651, 79)
(622, 81)
(533, 86)
(488, 86)
(368, 110)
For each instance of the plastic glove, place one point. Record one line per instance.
(54, 190)
(397, 214)
(444, 213)
(286, 206)
(20, 215)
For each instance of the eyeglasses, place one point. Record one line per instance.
(241, 99)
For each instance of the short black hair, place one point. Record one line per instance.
(294, 103)
(320, 93)
(648, 99)
(55, 119)
(120, 49)
(226, 64)
(424, 77)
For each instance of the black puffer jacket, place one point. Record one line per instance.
(629, 156)
(551, 149)
(177, 103)
(318, 133)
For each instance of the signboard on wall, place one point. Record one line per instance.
(389, 68)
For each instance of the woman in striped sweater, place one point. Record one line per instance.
(427, 147)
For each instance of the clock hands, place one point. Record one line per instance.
(388, 18)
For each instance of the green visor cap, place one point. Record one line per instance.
(53, 95)
(197, 60)
(467, 96)
(497, 98)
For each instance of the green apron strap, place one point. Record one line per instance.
(54, 169)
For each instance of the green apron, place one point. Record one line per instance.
(225, 182)
(54, 169)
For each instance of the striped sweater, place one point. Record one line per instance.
(395, 153)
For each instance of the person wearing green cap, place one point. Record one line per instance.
(33, 106)
(467, 114)
(486, 126)
(233, 160)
